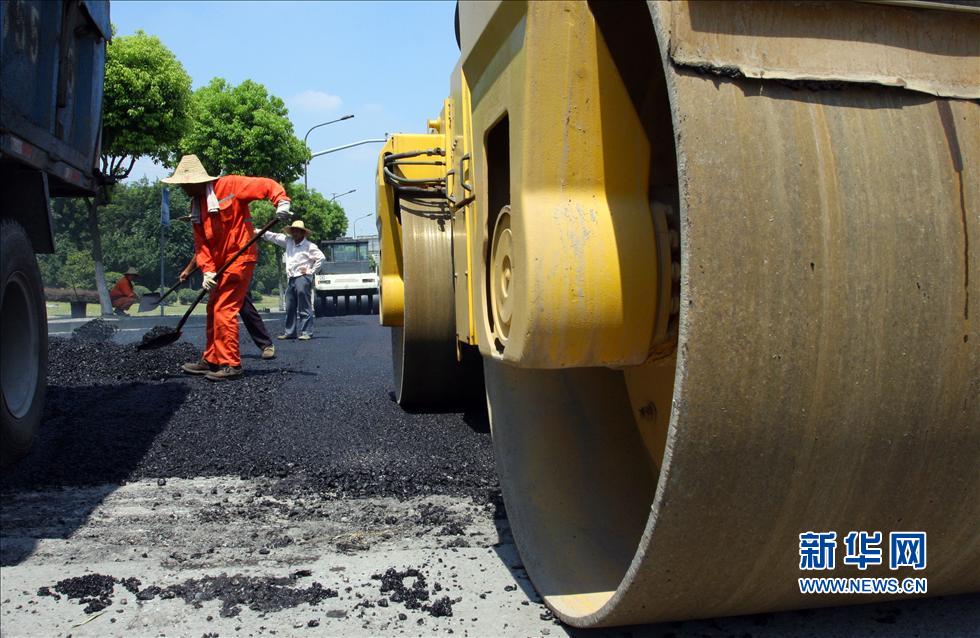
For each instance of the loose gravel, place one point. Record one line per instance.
(320, 417)
(317, 424)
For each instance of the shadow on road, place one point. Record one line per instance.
(91, 436)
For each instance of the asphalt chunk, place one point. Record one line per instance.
(258, 593)
(393, 583)
(92, 590)
(410, 588)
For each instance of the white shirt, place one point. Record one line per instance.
(303, 258)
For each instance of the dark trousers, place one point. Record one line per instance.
(254, 324)
(299, 306)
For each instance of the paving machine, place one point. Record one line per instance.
(347, 282)
(719, 261)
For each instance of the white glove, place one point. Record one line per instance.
(282, 211)
(210, 280)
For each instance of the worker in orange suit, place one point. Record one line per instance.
(122, 294)
(222, 226)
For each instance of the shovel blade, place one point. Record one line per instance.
(149, 301)
(158, 341)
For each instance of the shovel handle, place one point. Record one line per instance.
(167, 294)
(224, 267)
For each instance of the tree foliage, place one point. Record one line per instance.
(146, 102)
(78, 270)
(324, 218)
(130, 229)
(243, 130)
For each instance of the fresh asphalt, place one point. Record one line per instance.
(307, 465)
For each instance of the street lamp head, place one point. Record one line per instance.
(354, 229)
(306, 165)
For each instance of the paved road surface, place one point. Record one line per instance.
(275, 506)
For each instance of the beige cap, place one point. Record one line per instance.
(298, 225)
(189, 170)
(132, 271)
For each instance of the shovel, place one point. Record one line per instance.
(161, 336)
(151, 300)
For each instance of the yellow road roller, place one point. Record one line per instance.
(719, 263)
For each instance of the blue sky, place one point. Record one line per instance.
(388, 63)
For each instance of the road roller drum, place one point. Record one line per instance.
(720, 263)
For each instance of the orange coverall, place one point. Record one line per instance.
(217, 237)
(122, 294)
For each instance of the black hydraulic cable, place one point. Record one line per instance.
(397, 179)
(409, 154)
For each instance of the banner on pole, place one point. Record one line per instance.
(165, 208)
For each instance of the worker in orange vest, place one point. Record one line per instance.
(251, 318)
(222, 226)
(122, 294)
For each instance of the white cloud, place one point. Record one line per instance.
(311, 100)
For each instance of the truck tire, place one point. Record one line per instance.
(23, 343)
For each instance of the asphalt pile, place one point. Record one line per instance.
(97, 330)
(318, 418)
(80, 362)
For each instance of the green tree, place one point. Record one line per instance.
(146, 103)
(145, 110)
(324, 218)
(130, 226)
(78, 270)
(245, 130)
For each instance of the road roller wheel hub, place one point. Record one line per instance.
(501, 274)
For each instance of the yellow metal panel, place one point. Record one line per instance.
(461, 189)
(583, 285)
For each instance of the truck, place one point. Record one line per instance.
(52, 67)
(347, 282)
(718, 263)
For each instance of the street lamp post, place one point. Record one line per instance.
(334, 196)
(306, 165)
(377, 140)
(354, 231)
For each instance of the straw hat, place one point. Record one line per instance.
(189, 170)
(299, 225)
(132, 271)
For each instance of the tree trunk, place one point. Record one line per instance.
(100, 285)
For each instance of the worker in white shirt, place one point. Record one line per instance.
(303, 260)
